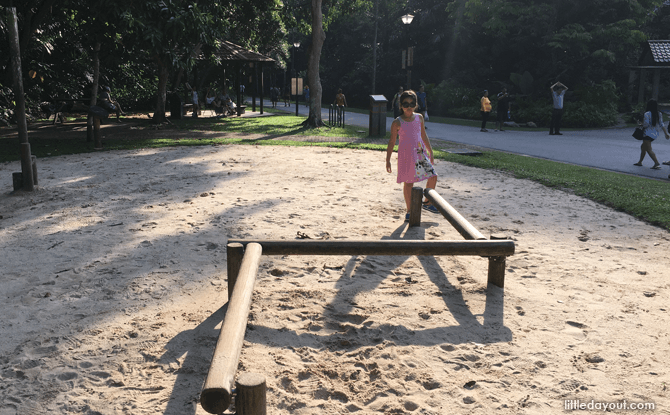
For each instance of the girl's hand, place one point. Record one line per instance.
(388, 166)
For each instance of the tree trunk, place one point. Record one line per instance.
(163, 73)
(94, 90)
(313, 78)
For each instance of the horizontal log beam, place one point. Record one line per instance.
(457, 221)
(216, 394)
(395, 247)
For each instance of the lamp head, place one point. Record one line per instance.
(407, 19)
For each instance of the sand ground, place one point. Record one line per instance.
(114, 287)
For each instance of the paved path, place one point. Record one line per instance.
(611, 149)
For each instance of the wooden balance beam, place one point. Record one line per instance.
(497, 263)
(244, 259)
(217, 392)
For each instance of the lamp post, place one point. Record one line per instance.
(407, 55)
(296, 45)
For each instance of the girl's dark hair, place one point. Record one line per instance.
(652, 106)
(409, 94)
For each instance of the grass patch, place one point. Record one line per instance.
(642, 198)
(278, 125)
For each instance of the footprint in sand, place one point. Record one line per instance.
(67, 376)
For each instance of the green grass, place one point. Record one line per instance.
(646, 199)
(281, 124)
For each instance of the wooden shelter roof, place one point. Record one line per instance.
(229, 51)
(655, 53)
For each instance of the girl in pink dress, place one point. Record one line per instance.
(415, 155)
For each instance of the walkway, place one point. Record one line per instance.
(611, 149)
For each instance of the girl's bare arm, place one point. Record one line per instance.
(389, 148)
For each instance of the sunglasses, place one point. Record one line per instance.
(409, 104)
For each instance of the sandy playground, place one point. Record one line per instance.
(113, 286)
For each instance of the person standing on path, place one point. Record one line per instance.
(274, 96)
(306, 90)
(415, 155)
(651, 122)
(423, 103)
(340, 103)
(557, 93)
(485, 110)
(502, 109)
(395, 103)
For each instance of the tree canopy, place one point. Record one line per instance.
(459, 45)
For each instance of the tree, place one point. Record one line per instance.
(313, 63)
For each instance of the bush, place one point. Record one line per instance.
(451, 99)
(587, 107)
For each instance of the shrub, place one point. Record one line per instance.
(449, 98)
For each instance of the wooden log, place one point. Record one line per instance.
(96, 133)
(19, 98)
(457, 221)
(17, 180)
(497, 265)
(217, 391)
(251, 394)
(235, 253)
(33, 159)
(394, 247)
(415, 207)
(27, 168)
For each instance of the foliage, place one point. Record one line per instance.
(448, 98)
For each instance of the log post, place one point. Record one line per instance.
(457, 221)
(415, 207)
(497, 265)
(17, 180)
(20, 111)
(96, 133)
(216, 394)
(251, 394)
(235, 252)
(27, 168)
(33, 159)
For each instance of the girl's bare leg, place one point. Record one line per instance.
(407, 193)
(430, 184)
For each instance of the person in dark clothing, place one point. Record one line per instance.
(504, 103)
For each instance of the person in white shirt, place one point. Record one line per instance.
(557, 93)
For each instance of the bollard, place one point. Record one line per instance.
(415, 207)
(17, 180)
(497, 265)
(235, 253)
(27, 168)
(34, 163)
(251, 394)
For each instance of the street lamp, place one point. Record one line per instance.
(407, 56)
(296, 45)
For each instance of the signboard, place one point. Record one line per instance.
(296, 89)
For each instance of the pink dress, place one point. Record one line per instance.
(413, 158)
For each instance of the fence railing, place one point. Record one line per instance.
(336, 115)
